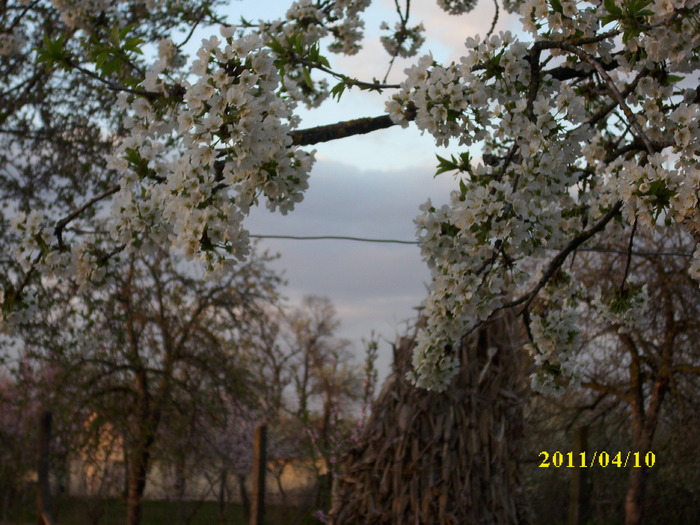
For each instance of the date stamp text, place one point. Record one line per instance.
(597, 459)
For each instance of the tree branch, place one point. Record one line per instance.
(60, 225)
(360, 126)
(562, 255)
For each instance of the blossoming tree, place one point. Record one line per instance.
(585, 127)
(587, 122)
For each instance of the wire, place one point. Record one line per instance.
(331, 237)
(397, 241)
(641, 254)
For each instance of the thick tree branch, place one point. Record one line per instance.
(360, 126)
(606, 389)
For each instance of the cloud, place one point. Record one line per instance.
(373, 286)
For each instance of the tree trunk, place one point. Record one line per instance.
(43, 496)
(635, 494)
(223, 496)
(180, 489)
(442, 458)
(637, 479)
(245, 497)
(137, 482)
(324, 487)
(257, 510)
(579, 488)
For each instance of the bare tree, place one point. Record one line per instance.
(155, 347)
(640, 342)
(313, 389)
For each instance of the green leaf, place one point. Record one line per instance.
(445, 165)
(125, 31)
(276, 46)
(465, 161)
(462, 189)
(307, 77)
(338, 90)
(111, 66)
(447, 228)
(53, 53)
(133, 45)
(298, 44)
(612, 8)
(114, 37)
(672, 79)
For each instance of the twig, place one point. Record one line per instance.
(612, 88)
(60, 225)
(150, 95)
(494, 22)
(377, 86)
(629, 256)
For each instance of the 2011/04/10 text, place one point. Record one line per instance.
(603, 459)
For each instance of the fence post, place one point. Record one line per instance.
(43, 495)
(257, 510)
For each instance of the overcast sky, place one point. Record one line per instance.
(373, 286)
(366, 186)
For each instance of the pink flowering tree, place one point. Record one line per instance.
(208, 454)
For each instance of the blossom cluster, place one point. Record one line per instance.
(81, 13)
(533, 192)
(624, 310)
(339, 19)
(192, 169)
(308, 22)
(555, 335)
(457, 7)
(202, 147)
(403, 42)
(37, 248)
(583, 130)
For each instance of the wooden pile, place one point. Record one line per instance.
(442, 458)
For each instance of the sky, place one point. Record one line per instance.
(366, 186)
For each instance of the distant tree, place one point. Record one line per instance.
(28, 390)
(19, 417)
(638, 357)
(323, 374)
(641, 343)
(313, 386)
(154, 347)
(208, 454)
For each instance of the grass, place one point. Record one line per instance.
(83, 511)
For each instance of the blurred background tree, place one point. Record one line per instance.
(640, 392)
